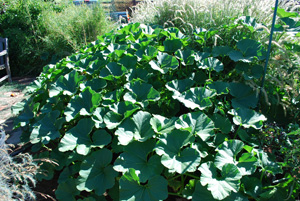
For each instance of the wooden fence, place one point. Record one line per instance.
(4, 60)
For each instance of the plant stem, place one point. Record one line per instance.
(236, 132)
(190, 175)
(175, 177)
(262, 174)
(170, 193)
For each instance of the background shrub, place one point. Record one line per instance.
(42, 32)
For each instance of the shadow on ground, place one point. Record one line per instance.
(10, 94)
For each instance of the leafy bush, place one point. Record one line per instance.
(42, 32)
(145, 113)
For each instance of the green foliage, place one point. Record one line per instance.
(42, 32)
(135, 117)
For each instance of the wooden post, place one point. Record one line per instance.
(4, 62)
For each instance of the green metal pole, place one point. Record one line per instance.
(269, 49)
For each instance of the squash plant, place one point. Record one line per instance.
(146, 113)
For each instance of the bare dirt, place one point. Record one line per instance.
(10, 94)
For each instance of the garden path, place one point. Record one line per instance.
(10, 94)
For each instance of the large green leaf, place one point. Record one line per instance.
(96, 84)
(249, 50)
(96, 173)
(66, 85)
(267, 164)
(119, 112)
(138, 128)
(141, 93)
(227, 153)
(112, 71)
(222, 186)
(197, 123)
(98, 116)
(162, 124)
(164, 63)
(147, 54)
(186, 57)
(220, 87)
(201, 193)
(132, 190)
(197, 97)
(97, 65)
(67, 190)
(250, 22)
(247, 118)
(244, 95)
(221, 51)
(138, 74)
(250, 71)
(78, 137)
(128, 61)
(47, 128)
(26, 115)
(112, 97)
(222, 123)
(83, 104)
(211, 63)
(282, 13)
(135, 156)
(179, 86)
(252, 186)
(172, 45)
(174, 156)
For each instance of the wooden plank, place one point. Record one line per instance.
(5, 59)
(4, 78)
(4, 52)
(1, 48)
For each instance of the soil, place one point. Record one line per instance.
(10, 94)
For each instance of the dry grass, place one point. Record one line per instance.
(189, 14)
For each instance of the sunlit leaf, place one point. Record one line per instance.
(174, 156)
(212, 64)
(47, 128)
(247, 118)
(164, 63)
(197, 123)
(227, 154)
(141, 93)
(196, 98)
(138, 128)
(135, 156)
(162, 124)
(78, 137)
(66, 85)
(82, 104)
(220, 187)
(186, 57)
